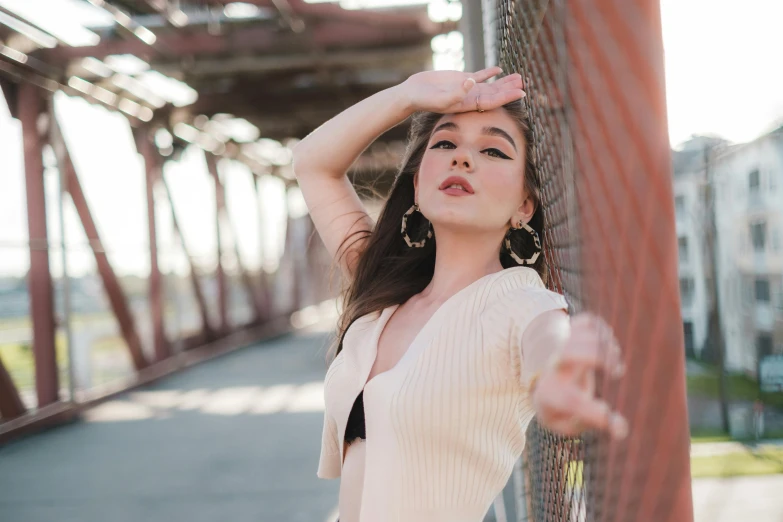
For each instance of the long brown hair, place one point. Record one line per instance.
(388, 271)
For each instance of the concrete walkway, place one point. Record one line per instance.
(740, 499)
(236, 439)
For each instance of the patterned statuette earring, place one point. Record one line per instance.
(532, 259)
(414, 244)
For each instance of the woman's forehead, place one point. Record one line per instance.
(474, 121)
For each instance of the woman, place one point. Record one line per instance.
(449, 340)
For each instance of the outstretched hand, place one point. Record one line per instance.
(455, 91)
(564, 395)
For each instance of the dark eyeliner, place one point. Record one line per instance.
(502, 156)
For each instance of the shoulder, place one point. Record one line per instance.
(361, 327)
(515, 278)
(521, 286)
(518, 294)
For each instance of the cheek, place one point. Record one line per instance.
(430, 166)
(502, 184)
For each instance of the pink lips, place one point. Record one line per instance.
(451, 180)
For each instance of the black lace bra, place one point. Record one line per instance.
(355, 426)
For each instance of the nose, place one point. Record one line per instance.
(462, 159)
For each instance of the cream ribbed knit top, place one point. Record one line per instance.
(446, 424)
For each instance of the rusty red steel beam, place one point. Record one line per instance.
(31, 104)
(263, 40)
(111, 284)
(327, 11)
(252, 289)
(10, 90)
(152, 173)
(209, 331)
(11, 405)
(220, 203)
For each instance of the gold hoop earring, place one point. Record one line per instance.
(414, 244)
(536, 241)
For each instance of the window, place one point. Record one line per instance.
(687, 327)
(682, 244)
(764, 345)
(687, 288)
(679, 205)
(754, 180)
(758, 234)
(762, 290)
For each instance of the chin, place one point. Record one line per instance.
(461, 221)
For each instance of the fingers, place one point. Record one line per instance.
(590, 413)
(515, 79)
(485, 74)
(493, 100)
(468, 84)
(565, 395)
(495, 94)
(567, 409)
(592, 345)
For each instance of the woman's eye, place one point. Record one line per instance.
(495, 153)
(498, 153)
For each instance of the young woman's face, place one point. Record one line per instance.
(487, 151)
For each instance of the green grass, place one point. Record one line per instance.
(740, 388)
(698, 436)
(19, 362)
(763, 462)
(709, 436)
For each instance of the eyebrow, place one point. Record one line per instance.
(489, 131)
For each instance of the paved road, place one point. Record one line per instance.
(236, 439)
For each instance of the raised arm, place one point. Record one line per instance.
(322, 159)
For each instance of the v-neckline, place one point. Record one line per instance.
(387, 312)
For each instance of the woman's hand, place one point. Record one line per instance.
(455, 91)
(564, 394)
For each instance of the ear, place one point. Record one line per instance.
(524, 212)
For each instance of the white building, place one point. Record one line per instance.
(694, 260)
(749, 197)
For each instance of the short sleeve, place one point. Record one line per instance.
(537, 301)
(329, 465)
(517, 300)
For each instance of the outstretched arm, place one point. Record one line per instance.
(561, 355)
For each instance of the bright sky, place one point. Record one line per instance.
(722, 71)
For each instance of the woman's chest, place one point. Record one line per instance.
(446, 367)
(397, 335)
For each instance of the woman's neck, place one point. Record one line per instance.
(459, 261)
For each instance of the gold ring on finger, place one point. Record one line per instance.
(478, 108)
